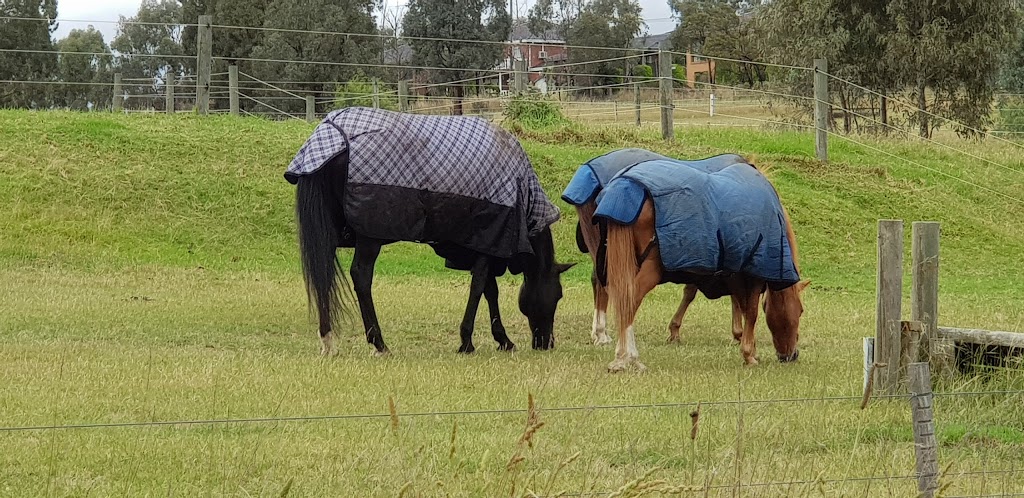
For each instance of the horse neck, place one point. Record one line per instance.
(543, 259)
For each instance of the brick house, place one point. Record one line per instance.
(538, 50)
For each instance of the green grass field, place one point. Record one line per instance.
(149, 273)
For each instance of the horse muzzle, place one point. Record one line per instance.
(790, 357)
(543, 340)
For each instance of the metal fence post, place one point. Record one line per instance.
(922, 413)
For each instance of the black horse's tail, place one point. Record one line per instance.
(318, 209)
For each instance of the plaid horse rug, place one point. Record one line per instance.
(721, 222)
(454, 182)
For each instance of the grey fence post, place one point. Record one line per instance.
(403, 95)
(118, 102)
(376, 94)
(520, 77)
(636, 102)
(926, 449)
(668, 131)
(169, 92)
(310, 108)
(924, 287)
(233, 89)
(889, 293)
(821, 109)
(204, 47)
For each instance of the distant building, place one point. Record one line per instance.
(538, 50)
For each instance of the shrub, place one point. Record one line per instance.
(534, 112)
(358, 92)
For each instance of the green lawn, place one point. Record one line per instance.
(149, 273)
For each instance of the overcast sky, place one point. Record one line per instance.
(656, 12)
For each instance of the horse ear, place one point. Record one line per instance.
(803, 284)
(562, 267)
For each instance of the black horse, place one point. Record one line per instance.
(367, 178)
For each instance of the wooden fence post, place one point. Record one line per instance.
(821, 109)
(204, 47)
(403, 96)
(520, 77)
(376, 94)
(233, 89)
(636, 101)
(169, 92)
(118, 102)
(310, 108)
(926, 449)
(924, 290)
(910, 348)
(889, 287)
(668, 131)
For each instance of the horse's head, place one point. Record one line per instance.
(541, 290)
(782, 311)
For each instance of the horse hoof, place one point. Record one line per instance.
(673, 339)
(508, 346)
(601, 340)
(751, 362)
(466, 349)
(382, 353)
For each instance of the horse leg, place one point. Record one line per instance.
(750, 295)
(689, 294)
(366, 252)
(598, 333)
(497, 328)
(481, 273)
(737, 318)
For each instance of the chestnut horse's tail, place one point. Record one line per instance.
(622, 271)
(318, 209)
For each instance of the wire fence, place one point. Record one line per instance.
(613, 100)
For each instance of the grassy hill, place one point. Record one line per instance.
(102, 191)
(150, 272)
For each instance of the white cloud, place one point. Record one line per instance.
(104, 15)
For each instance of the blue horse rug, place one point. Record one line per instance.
(725, 221)
(453, 182)
(594, 174)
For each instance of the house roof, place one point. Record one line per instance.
(521, 33)
(653, 42)
(401, 54)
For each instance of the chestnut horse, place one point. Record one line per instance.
(635, 267)
(582, 193)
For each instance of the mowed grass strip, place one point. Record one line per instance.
(150, 274)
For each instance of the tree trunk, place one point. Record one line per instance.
(846, 112)
(884, 104)
(921, 106)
